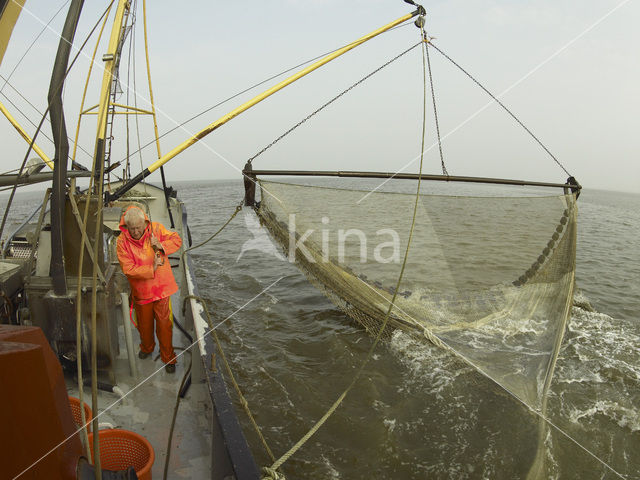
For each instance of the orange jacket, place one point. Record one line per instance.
(136, 260)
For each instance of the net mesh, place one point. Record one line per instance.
(490, 279)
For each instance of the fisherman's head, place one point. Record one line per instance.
(136, 222)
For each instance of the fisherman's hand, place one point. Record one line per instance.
(158, 260)
(155, 243)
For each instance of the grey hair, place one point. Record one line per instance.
(133, 213)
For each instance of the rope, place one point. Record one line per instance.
(366, 77)
(501, 104)
(135, 104)
(238, 208)
(269, 470)
(242, 399)
(84, 436)
(435, 110)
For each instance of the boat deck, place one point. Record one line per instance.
(145, 400)
(147, 408)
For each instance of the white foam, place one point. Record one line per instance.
(623, 416)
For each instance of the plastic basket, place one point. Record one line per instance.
(120, 449)
(74, 403)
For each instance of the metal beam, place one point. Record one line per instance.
(407, 176)
(61, 158)
(10, 180)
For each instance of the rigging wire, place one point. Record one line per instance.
(501, 104)
(366, 77)
(17, 109)
(262, 82)
(35, 135)
(127, 167)
(26, 52)
(435, 110)
(135, 104)
(271, 472)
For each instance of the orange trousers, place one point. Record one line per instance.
(161, 310)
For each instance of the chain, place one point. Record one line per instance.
(331, 101)
(502, 105)
(278, 463)
(433, 97)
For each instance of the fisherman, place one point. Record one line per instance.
(143, 247)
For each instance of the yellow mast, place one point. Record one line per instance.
(242, 108)
(234, 113)
(86, 84)
(98, 165)
(8, 18)
(146, 52)
(26, 136)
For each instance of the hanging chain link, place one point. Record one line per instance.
(433, 98)
(495, 99)
(332, 100)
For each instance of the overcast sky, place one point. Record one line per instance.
(569, 70)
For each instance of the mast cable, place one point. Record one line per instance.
(135, 104)
(35, 135)
(366, 77)
(435, 110)
(127, 168)
(4, 95)
(262, 82)
(272, 470)
(501, 104)
(31, 46)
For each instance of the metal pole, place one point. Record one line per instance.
(410, 176)
(131, 354)
(6, 180)
(59, 129)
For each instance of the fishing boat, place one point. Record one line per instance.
(502, 315)
(68, 317)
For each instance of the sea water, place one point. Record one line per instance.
(416, 411)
